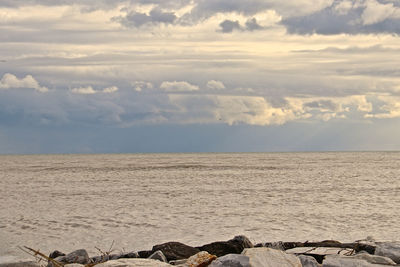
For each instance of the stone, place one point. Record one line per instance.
(308, 261)
(130, 255)
(231, 260)
(158, 255)
(233, 246)
(201, 259)
(178, 262)
(374, 259)
(390, 250)
(176, 250)
(268, 257)
(56, 254)
(343, 261)
(77, 256)
(133, 263)
(74, 265)
(21, 264)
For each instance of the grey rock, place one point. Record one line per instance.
(267, 257)
(77, 256)
(133, 263)
(342, 261)
(308, 261)
(231, 260)
(74, 265)
(20, 264)
(158, 255)
(130, 255)
(390, 250)
(56, 254)
(374, 259)
(178, 262)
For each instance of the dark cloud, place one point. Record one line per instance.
(228, 26)
(156, 16)
(354, 19)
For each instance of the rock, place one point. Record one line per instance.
(308, 261)
(133, 263)
(158, 255)
(74, 265)
(319, 253)
(374, 259)
(77, 256)
(201, 259)
(268, 257)
(130, 255)
(233, 246)
(176, 250)
(178, 262)
(343, 261)
(231, 260)
(145, 253)
(21, 264)
(56, 254)
(390, 250)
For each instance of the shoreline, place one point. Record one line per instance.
(239, 248)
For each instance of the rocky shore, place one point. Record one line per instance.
(237, 252)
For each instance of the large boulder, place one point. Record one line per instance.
(268, 257)
(175, 250)
(308, 261)
(233, 246)
(390, 250)
(133, 263)
(231, 260)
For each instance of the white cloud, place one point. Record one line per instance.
(376, 12)
(11, 81)
(110, 89)
(84, 90)
(178, 86)
(217, 85)
(390, 109)
(139, 86)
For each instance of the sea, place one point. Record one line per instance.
(130, 202)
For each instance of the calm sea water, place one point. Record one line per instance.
(67, 202)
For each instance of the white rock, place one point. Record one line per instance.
(231, 260)
(267, 257)
(341, 261)
(74, 265)
(390, 250)
(133, 263)
(308, 261)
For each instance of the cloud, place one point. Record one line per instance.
(139, 86)
(228, 26)
(351, 17)
(90, 91)
(84, 90)
(217, 85)
(180, 86)
(137, 19)
(11, 81)
(109, 90)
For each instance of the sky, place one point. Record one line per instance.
(133, 76)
